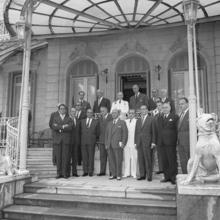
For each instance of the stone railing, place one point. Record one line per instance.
(12, 146)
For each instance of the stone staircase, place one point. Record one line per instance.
(39, 162)
(90, 199)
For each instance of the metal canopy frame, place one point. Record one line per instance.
(81, 17)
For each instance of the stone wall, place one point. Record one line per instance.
(157, 46)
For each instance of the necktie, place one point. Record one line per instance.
(142, 120)
(130, 120)
(119, 101)
(114, 122)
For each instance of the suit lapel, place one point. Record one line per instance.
(114, 127)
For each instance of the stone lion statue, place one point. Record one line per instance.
(205, 164)
(6, 167)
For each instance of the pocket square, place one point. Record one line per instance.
(170, 119)
(119, 126)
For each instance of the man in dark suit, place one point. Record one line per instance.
(116, 136)
(53, 114)
(103, 122)
(80, 115)
(138, 99)
(75, 140)
(84, 104)
(153, 100)
(145, 142)
(158, 113)
(165, 98)
(89, 135)
(101, 101)
(167, 140)
(62, 127)
(183, 134)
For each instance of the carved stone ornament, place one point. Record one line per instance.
(132, 46)
(6, 166)
(205, 165)
(82, 49)
(181, 43)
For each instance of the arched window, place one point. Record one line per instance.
(132, 70)
(82, 77)
(179, 78)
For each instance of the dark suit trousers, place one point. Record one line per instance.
(62, 158)
(103, 158)
(73, 155)
(145, 155)
(169, 159)
(115, 161)
(54, 154)
(88, 154)
(160, 161)
(184, 157)
(79, 154)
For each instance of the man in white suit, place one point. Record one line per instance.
(130, 151)
(121, 105)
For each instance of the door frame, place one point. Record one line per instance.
(118, 80)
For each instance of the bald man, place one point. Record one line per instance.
(138, 99)
(101, 101)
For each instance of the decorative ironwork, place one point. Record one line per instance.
(12, 145)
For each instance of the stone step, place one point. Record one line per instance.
(44, 213)
(75, 186)
(140, 206)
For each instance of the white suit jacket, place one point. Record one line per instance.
(123, 106)
(131, 131)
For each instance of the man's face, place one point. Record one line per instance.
(120, 95)
(62, 110)
(103, 111)
(78, 106)
(183, 105)
(166, 108)
(89, 113)
(81, 95)
(131, 114)
(143, 110)
(73, 112)
(99, 94)
(154, 93)
(135, 89)
(159, 106)
(115, 114)
(163, 93)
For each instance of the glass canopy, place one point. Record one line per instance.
(55, 17)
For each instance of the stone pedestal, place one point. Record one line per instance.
(11, 186)
(197, 201)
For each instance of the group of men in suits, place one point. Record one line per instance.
(132, 139)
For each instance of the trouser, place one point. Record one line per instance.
(103, 158)
(159, 157)
(115, 161)
(145, 155)
(79, 154)
(62, 158)
(184, 157)
(88, 154)
(130, 161)
(54, 154)
(73, 158)
(169, 159)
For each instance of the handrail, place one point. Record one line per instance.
(12, 145)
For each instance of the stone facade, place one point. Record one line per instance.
(157, 46)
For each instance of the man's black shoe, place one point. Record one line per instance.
(141, 178)
(149, 179)
(66, 177)
(85, 174)
(75, 175)
(173, 182)
(159, 172)
(164, 181)
(101, 174)
(91, 174)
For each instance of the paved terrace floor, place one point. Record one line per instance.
(102, 186)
